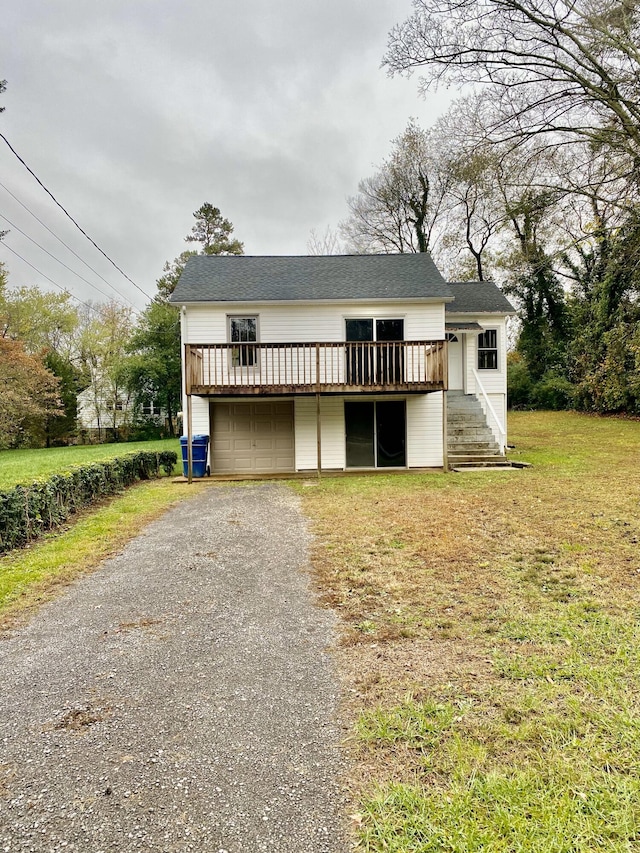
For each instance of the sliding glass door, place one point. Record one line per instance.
(375, 434)
(381, 364)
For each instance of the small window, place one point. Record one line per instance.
(488, 350)
(149, 409)
(243, 330)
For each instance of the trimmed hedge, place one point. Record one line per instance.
(27, 512)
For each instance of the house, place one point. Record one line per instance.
(108, 414)
(296, 364)
(103, 413)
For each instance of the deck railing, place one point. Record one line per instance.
(305, 368)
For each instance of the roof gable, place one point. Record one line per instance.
(232, 278)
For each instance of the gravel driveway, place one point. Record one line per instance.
(180, 698)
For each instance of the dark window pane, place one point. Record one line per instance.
(243, 330)
(359, 330)
(389, 330)
(487, 360)
(359, 356)
(488, 339)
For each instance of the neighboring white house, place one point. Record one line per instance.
(102, 413)
(106, 415)
(342, 360)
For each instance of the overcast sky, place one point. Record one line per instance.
(135, 112)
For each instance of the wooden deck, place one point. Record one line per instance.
(249, 369)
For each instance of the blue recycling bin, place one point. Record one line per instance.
(199, 447)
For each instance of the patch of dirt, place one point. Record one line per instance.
(383, 673)
(143, 622)
(80, 719)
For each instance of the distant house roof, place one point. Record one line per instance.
(232, 278)
(478, 297)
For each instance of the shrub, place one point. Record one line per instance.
(519, 382)
(552, 392)
(27, 512)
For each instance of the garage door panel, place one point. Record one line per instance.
(282, 408)
(252, 437)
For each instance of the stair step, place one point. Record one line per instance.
(484, 463)
(482, 466)
(474, 429)
(475, 458)
(473, 447)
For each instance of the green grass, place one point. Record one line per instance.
(25, 466)
(491, 644)
(32, 575)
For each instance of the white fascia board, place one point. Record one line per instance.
(366, 301)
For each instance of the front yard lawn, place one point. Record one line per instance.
(490, 644)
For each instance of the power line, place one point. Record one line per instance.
(60, 240)
(62, 263)
(54, 283)
(68, 215)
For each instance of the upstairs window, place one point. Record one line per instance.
(488, 350)
(243, 330)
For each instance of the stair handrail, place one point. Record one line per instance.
(500, 429)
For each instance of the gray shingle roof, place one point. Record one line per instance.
(478, 297)
(221, 278)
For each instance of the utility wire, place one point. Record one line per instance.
(60, 240)
(62, 263)
(54, 283)
(68, 215)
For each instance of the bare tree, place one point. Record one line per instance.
(327, 243)
(398, 208)
(570, 68)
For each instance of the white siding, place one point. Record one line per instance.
(207, 324)
(200, 415)
(332, 433)
(499, 405)
(424, 431)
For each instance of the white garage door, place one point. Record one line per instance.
(255, 437)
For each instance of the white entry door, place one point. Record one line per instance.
(456, 363)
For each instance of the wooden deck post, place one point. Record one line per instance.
(189, 441)
(445, 451)
(319, 434)
(318, 421)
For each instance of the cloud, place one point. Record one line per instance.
(135, 113)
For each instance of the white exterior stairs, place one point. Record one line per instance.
(470, 442)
